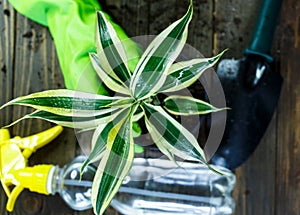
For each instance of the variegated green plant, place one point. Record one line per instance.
(113, 117)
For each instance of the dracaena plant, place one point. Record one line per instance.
(113, 117)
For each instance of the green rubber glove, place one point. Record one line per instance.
(72, 26)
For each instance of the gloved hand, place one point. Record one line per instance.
(72, 26)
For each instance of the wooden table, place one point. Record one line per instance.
(268, 183)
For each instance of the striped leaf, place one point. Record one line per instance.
(89, 122)
(110, 50)
(122, 102)
(151, 71)
(67, 102)
(183, 74)
(114, 165)
(185, 105)
(161, 143)
(112, 83)
(171, 136)
(100, 137)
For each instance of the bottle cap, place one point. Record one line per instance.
(35, 178)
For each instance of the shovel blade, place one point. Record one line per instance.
(252, 91)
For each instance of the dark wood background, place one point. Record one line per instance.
(268, 183)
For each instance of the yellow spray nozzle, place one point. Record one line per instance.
(14, 153)
(35, 178)
(13, 197)
(4, 135)
(36, 141)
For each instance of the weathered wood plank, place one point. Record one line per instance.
(7, 40)
(234, 23)
(162, 14)
(288, 129)
(132, 15)
(201, 27)
(255, 189)
(254, 192)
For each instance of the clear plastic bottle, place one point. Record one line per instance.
(66, 181)
(160, 187)
(153, 186)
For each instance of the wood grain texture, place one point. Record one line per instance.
(288, 129)
(234, 22)
(201, 27)
(7, 42)
(256, 178)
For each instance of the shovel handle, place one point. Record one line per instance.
(265, 27)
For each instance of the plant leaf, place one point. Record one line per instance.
(185, 73)
(172, 137)
(114, 165)
(100, 137)
(186, 105)
(139, 113)
(110, 51)
(121, 102)
(151, 71)
(67, 102)
(161, 143)
(112, 83)
(89, 123)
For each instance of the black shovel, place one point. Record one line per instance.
(252, 90)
